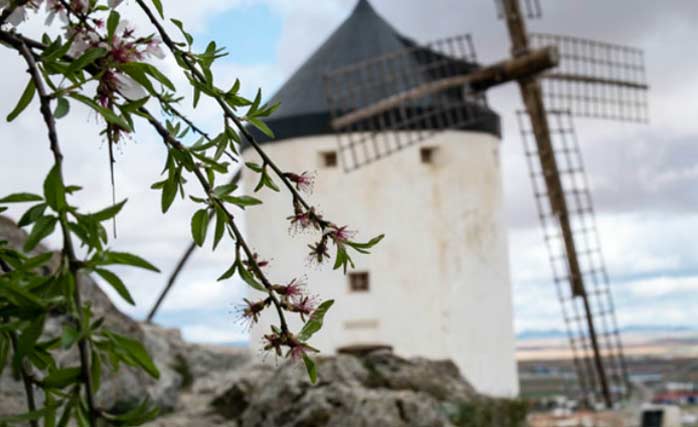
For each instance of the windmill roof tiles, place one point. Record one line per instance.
(362, 36)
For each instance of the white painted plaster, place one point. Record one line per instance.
(440, 285)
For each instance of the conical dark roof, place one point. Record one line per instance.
(364, 35)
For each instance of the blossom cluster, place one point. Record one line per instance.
(84, 29)
(293, 299)
(53, 8)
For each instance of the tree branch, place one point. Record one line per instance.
(226, 109)
(68, 248)
(240, 240)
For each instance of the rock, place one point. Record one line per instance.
(372, 389)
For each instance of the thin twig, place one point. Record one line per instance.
(240, 240)
(181, 263)
(68, 248)
(226, 109)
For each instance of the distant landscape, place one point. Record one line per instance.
(638, 340)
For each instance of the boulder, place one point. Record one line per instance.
(373, 389)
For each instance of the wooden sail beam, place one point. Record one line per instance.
(577, 78)
(531, 63)
(533, 100)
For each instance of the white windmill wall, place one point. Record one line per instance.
(439, 282)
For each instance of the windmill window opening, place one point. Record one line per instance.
(359, 282)
(328, 159)
(427, 154)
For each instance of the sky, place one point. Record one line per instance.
(643, 177)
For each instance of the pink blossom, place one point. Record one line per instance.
(318, 252)
(248, 313)
(341, 234)
(300, 222)
(55, 8)
(304, 306)
(304, 182)
(296, 352)
(129, 88)
(153, 48)
(294, 290)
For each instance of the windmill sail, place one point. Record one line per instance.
(589, 314)
(595, 79)
(532, 7)
(417, 110)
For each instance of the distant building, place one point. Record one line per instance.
(438, 286)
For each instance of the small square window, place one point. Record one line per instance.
(426, 154)
(358, 282)
(328, 159)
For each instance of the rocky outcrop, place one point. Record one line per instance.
(373, 389)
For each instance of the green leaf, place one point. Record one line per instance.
(139, 415)
(199, 226)
(29, 336)
(186, 35)
(116, 283)
(221, 221)
(315, 321)
(2, 209)
(261, 126)
(254, 166)
(169, 192)
(61, 378)
(112, 23)
(158, 6)
(70, 336)
(108, 114)
(32, 214)
(43, 228)
(136, 352)
(108, 213)
(155, 73)
(248, 278)
(228, 273)
(29, 416)
(363, 247)
(37, 261)
(255, 104)
(54, 192)
(21, 198)
(311, 368)
(224, 190)
(124, 258)
(24, 101)
(87, 58)
(242, 201)
(62, 108)
(50, 416)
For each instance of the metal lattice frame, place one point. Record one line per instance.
(595, 79)
(413, 120)
(532, 7)
(597, 289)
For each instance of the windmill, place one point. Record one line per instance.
(381, 106)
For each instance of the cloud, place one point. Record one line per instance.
(662, 286)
